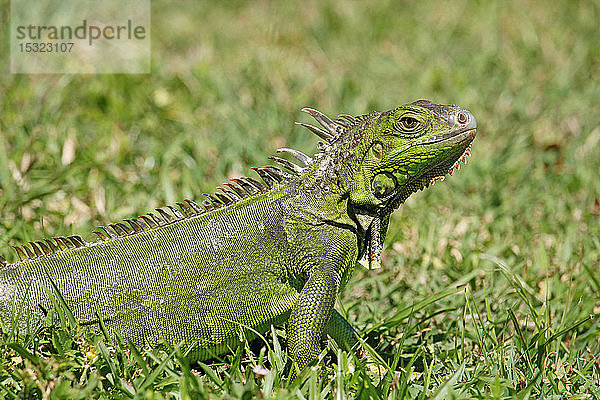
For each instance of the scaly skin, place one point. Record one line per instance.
(274, 255)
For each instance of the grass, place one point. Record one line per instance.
(491, 279)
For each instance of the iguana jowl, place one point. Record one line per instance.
(252, 254)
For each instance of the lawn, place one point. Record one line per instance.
(490, 286)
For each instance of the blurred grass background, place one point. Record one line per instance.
(228, 81)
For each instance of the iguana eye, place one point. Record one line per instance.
(408, 124)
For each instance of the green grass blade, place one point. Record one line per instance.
(444, 390)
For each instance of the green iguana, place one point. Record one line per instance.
(252, 254)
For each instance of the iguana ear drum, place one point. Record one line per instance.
(377, 150)
(383, 184)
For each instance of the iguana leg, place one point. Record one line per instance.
(344, 335)
(309, 316)
(341, 331)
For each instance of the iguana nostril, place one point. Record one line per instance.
(462, 118)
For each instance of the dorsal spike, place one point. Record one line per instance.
(324, 120)
(157, 220)
(52, 245)
(278, 174)
(223, 198)
(229, 192)
(178, 214)
(195, 206)
(36, 250)
(254, 183)
(149, 221)
(208, 205)
(266, 177)
(135, 225)
(249, 187)
(119, 230)
(28, 251)
(20, 253)
(142, 223)
(128, 230)
(101, 235)
(300, 156)
(80, 240)
(341, 122)
(72, 244)
(43, 247)
(111, 234)
(235, 186)
(66, 244)
(186, 209)
(318, 131)
(288, 164)
(77, 241)
(60, 244)
(348, 118)
(165, 216)
(216, 202)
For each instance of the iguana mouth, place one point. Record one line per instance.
(464, 134)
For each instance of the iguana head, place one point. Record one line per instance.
(382, 158)
(404, 150)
